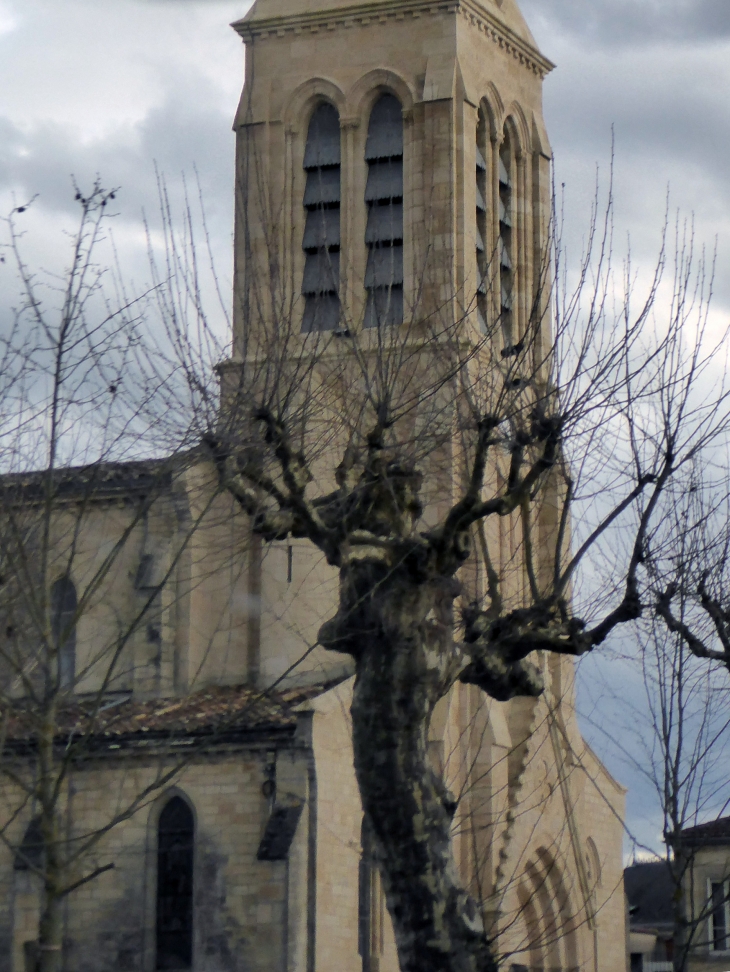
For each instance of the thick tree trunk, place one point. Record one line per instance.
(402, 671)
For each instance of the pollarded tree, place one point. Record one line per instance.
(586, 425)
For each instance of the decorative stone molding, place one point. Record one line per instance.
(385, 10)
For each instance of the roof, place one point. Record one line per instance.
(97, 479)
(649, 888)
(715, 832)
(214, 713)
(504, 15)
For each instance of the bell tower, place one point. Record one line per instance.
(392, 161)
(393, 179)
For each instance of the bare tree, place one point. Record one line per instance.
(675, 730)
(96, 448)
(451, 446)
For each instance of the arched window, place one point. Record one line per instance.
(480, 234)
(321, 242)
(384, 201)
(63, 629)
(506, 254)
(31, 853)
(371, 905)
(175, 850)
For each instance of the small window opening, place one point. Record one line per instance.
(384, 201)
(175, 853)
(321, 241)
(64, 605)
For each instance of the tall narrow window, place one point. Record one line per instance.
(384, 201)
(480, 233)
(720, 925)
(506, 261)
(175, 847)
(371, 905)
(63, 629)
(321, 242)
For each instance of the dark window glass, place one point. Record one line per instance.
(384, 200)
(719, 917)
(63, 629)
(175, 840)
(321, 240)
(31, 851)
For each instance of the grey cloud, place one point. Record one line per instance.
(178, 136)
(632, 22)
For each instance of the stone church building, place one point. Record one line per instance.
(386, 148)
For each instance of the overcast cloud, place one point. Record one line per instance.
(111, 88)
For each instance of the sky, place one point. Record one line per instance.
(119, 88)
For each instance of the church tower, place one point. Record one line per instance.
(392, 169)
(392, 162)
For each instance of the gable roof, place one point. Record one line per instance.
(649, 888)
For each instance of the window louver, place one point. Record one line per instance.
(385, 181)
(504, 179)
(506, 261)
(323, 187)
(384, 307)
(504, 257)
(385, 224)
(322, 228)
(321, 240)
(384, 200)
(321, 272)
(504, 216)
(385, 267)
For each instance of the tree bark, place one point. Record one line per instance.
(405, 662)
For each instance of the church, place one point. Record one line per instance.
(390, 154)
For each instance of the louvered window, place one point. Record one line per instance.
(321, 241)
(481, 228)
(506, 255)
(384, 201)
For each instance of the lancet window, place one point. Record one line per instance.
(63, 629)
(480, 234)
(321, 242)
(371, 905)
(506, 246)
(384, 202)
(175, 857)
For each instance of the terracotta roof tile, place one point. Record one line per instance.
(214, 709)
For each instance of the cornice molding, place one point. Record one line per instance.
(381, 11)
